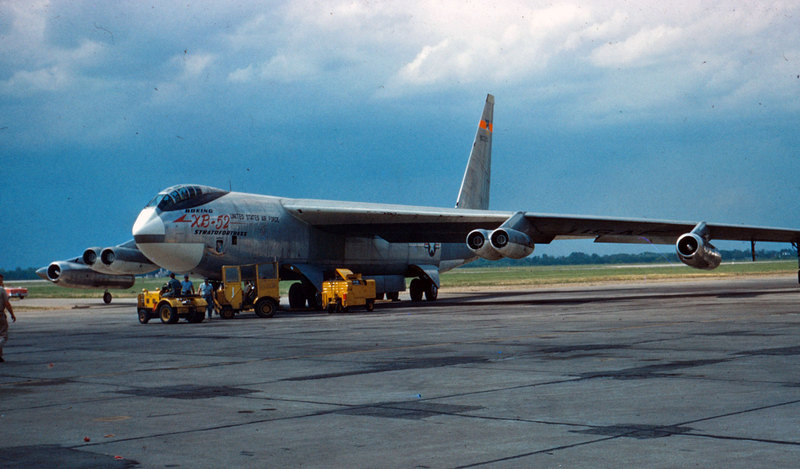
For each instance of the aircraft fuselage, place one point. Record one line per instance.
(238, 228)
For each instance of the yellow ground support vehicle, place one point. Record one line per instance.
(152, 304)
(348, 290)
(251, 286)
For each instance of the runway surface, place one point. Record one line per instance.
(701, 374)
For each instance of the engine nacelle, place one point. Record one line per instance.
(75, 275)
(91, 255)
(511, 243)
(477, 243)
(695, 252)
(125, 260)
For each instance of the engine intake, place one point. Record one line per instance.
(695, 251)
(512, 243)
(476, 241)
(90, 255)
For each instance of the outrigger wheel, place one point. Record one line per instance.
(107, 297)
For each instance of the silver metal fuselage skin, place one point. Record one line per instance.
(240, 228)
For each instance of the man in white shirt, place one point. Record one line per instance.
(4, 305)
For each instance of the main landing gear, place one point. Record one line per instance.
(425, 287)
(301, 294)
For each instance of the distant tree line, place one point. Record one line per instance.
(20, 274)
(581, 258)
(576, 258)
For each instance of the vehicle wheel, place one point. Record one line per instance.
(393, 296)
(107, 298)
(167, 314)
(297, 296)
(266, 307)
(431, 292)
(196, 317)
(144, 316)
(331, 308)
(370, 305)
(416, 288)
(227, 312)
(22, 297)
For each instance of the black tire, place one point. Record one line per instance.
(196, 317)
(297, 296)
(416, 289)
(313, 298)
(266, 307)
(107, 298)
(370, 305)
(393, 296)
(167, 314)
(144, 316)
(331, 308)
(227, 312)
(431, 291)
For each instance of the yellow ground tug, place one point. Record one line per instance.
(348, 290)
(245, 287)
(152, 304)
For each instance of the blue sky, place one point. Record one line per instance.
(686, 110)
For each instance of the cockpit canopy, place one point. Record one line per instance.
(185, 196)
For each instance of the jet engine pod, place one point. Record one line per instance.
(90, 255)
(476, 241)
(125, 260)
(511, 243)
(695, 252)
(71, 274)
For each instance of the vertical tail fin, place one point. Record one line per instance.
(474, 192)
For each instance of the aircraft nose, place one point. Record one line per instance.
(149, 227)
(179, 254)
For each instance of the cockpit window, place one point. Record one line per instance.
(183, 197)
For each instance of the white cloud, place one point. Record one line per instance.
(24, 82)
(641, 49)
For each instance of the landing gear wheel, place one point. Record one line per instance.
(144, 316)
(431, 292)
(297, 296)
(417, 287)
(107, 298)
(227, 312)
(167, 314)
(314, 299)
(266, 307)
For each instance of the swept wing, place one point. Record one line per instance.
(399, 223)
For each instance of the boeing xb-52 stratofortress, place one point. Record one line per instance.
(197, 229)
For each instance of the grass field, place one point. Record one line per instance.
(577, 274)
(491, 277)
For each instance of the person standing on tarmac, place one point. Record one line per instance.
(4, 305)
(187, 287)
(206, 290)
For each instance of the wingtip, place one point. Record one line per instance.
(490, 98)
